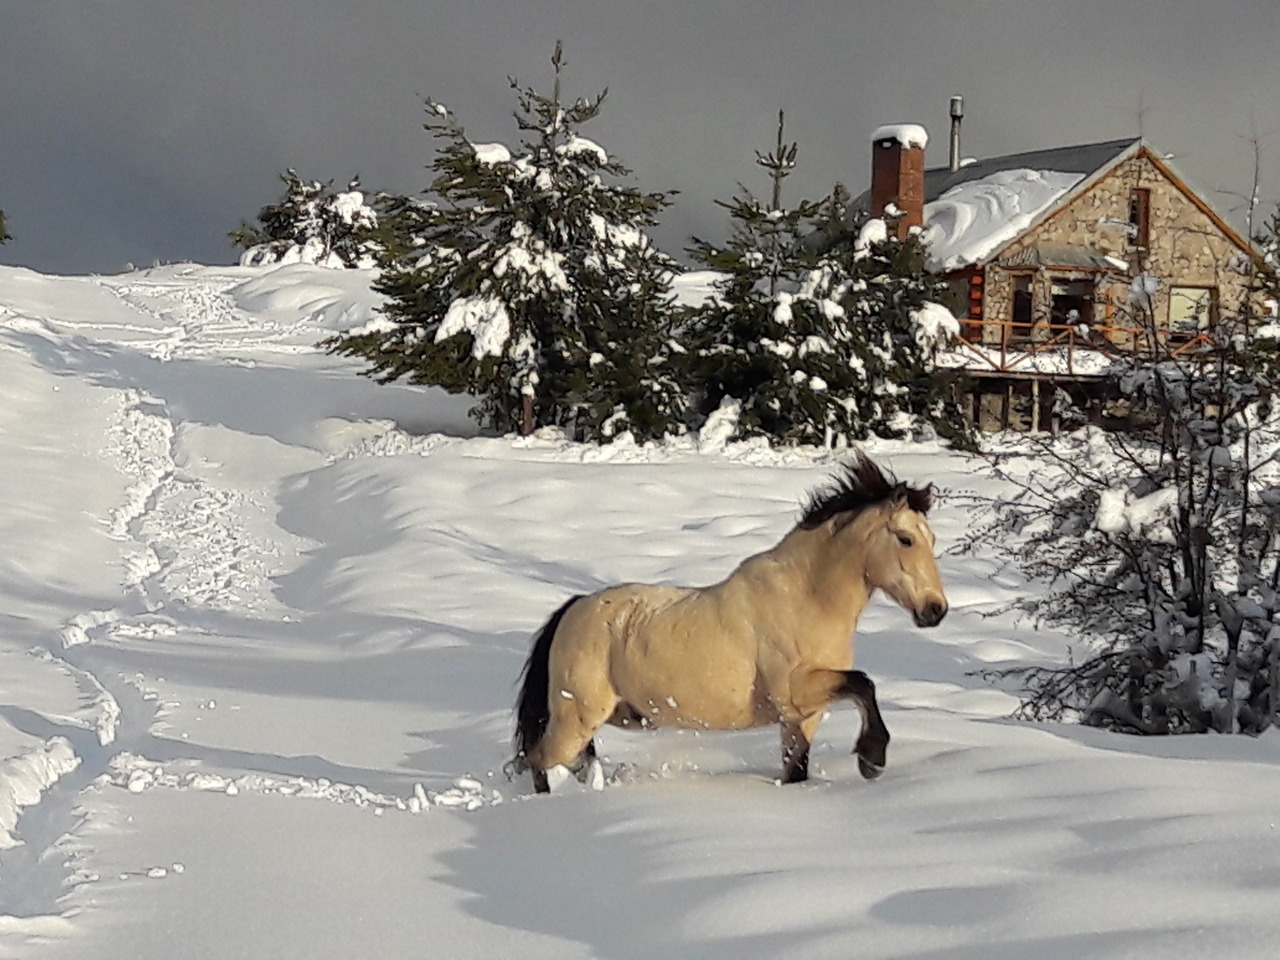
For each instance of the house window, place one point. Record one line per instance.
(1072, 302)
(1021, 315)
(1191, 310)
(1140, 217)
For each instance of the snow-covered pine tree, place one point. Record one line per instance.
(823, 335)
(311, 224)
(773, 339)
(898, 325)
(532, 283)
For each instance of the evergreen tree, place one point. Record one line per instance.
(4, 234)
(894, 308)
(311, 224)
(531, 284)
(767, 340)
(821, 335)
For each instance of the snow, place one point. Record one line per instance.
(262, 623)
(973, 220)
(485, 318)
(1147, 516)
(24, 778)
(581, 146)
(907, 134)
(934, 324)
(350, 207)
(1077, 361)
(696, 287)
(491, 154)
(872, 232)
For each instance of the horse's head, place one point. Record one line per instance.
(899, 556)
(882, 523)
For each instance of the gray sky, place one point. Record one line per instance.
(143, 130)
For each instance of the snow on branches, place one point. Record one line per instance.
(825, 326)
(1161, 546)
(532, 283)
(311, 224)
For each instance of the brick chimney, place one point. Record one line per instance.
(897, 172)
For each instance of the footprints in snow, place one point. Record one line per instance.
(137, 775)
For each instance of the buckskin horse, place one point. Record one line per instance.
(772, 643)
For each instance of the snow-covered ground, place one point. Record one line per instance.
(260, 626)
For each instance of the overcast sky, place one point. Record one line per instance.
(144, 130)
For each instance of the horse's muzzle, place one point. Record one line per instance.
(931, 614)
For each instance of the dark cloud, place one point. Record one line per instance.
(141, 130)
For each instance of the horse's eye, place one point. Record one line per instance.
(905, 540)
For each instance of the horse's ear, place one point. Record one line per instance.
(903, 497)
(920, 499)
(899, 498)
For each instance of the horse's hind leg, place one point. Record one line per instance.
(795, 753)
(570, 738)
(588, 769)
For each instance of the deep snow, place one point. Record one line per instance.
(262, 621)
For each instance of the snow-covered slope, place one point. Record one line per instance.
(262, 624)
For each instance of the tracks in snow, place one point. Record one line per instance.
(188, 553)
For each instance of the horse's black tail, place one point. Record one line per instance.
(532, 710)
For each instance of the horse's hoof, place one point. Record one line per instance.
(868, 769)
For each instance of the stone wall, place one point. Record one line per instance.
(1186, 248)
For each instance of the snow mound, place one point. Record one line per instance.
(907, 134)
(295, 293)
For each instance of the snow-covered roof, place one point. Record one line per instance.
(1083, 159)
(974, 219)
(971, 213)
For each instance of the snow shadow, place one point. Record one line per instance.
(574, 868)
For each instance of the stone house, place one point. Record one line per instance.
(1059, 258)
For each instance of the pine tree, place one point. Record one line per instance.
(531, 283)
(311, 224)
(899, 325)
(816, 331)
(757, 342)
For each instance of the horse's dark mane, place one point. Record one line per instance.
(856, 486)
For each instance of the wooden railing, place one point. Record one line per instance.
(1060, 348)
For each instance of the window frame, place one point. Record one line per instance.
(1140, 217)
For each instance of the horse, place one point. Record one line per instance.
(770, 644)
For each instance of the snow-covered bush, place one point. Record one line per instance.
(1161, 545)
(531, 283)
(821, 342)
(311, 224)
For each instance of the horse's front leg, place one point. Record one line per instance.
(873, 741)
(813, 693)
